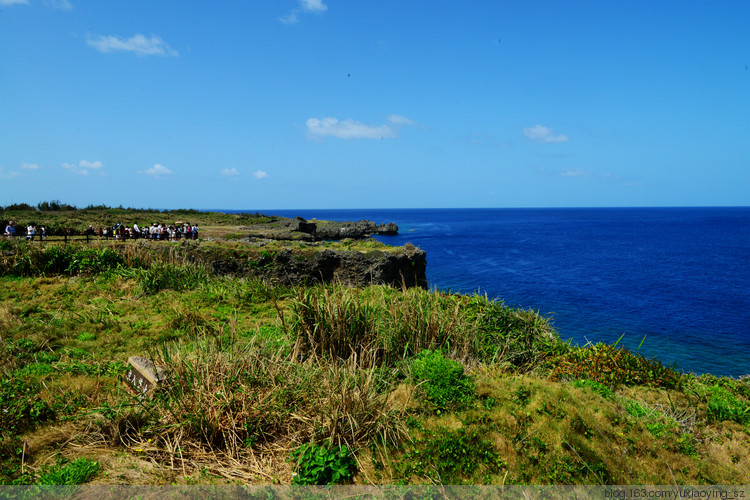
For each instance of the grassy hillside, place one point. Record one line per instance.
(272, 385)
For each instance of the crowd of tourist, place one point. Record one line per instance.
(119, 232)
(153, 232)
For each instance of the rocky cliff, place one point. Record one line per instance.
(405, 267)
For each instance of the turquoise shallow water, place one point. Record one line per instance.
(680, 277)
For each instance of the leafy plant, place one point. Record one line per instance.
(442, 381)
(318, 464)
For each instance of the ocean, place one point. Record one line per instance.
(673, 283)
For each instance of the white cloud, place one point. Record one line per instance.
(539, 133)
(230, 172)
(313, 5)
(8, 174)
(138, 44)
(90, 164)
(260, 174)
(156, 170)
(30, 166)
(290, 18)
(14, 2)
(83, 166)
(347, 129)
(304, 6)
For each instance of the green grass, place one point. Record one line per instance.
(79, 471)
(258, 370)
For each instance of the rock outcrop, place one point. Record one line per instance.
(299, 229)
(332, 230)
(293, 267)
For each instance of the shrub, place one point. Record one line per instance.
(517, 336)
(613, 366)
(442, 381)
(317, 464)
(723, 405)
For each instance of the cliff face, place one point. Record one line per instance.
(353, 268)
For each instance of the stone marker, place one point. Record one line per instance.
(143, 376)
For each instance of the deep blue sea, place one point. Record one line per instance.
(680, 277)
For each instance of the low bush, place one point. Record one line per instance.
(442, 381)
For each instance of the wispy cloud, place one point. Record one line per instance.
(230, 172)
(399, 120)
(582, 173)
(14, 2)
(138, 44)
(304, 6)
(30, 166)
(8, 174)
(157, 170)
(350, 129)
(83, 167)
(540, 133)
(260, 174)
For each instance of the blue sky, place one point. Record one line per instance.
(374, 104)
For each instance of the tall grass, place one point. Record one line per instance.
(24, 259)
(228, 398)
(381, 325)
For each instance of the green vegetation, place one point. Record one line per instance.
(317, 464)
(79, 471)
(327, 384)
(442, 381)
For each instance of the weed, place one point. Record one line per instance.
(318, 464)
